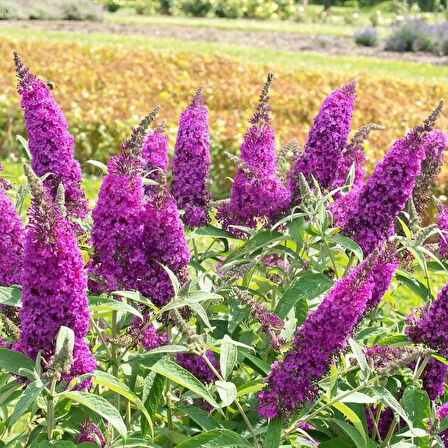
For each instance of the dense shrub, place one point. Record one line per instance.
(254, 9)
(50, 9)
(368, 37)
(418, 35)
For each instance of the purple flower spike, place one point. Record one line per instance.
(326, 141)
(117, 231)
(370, 220)
(197, 366)
(54, 284)
(155, 155)
(191, 163)
(163, 243)
(381, 275)
(12, 238)
(430, 327)
(442, 413)
(442, 219)
(50, 143)
(257, 193)
(434, 144)
(434, 377)
(292, 381)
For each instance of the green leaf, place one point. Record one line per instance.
(390, 400)
(413, 284)
(61, 444)
(396, 340)
(417, 406)
(98, 304)
(202, 418)
(347, 243)
(352, 417)
(29, 395)
(250, 387)
(11, 296)
(338, 442)
(211, 231)
(273, 433)
(236, 314)
(216, 438)
(170, 348)
(13, 361)
(228, 356)
(65, 338)
(101, 406)
(226, 391)
(24, 149)
(97, 164)
(112, 383)
(134, 443)
(178, 375)
(152, 395)
(358, 397)
(309, 285)
(262, 365)
(352, 432)
(359, 355)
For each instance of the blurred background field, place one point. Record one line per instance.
(110, 70)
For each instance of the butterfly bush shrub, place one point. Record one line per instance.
(308, 309)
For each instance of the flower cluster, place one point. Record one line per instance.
(326, 140)
(442, 413)
(433, 378)
(116, 230)
(270, 323)
(197, 366)
(49, 141)
(191, 163)
(257, 192)
(163, 243)
(434, 145)
(442, 221)
(54, 284)
(292, 381)
(12, 237)
(381, 275)
(430, 327)
(370, 219)
(354, 154)
(155, 155)
(147, 335)
(90, 433)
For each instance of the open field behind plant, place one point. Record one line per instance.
(104, 82)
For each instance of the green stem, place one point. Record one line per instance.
(420, 369)
(50, 410)
(349, 264)
(333, 262)
(428, 282)
(375, 432)
(115, 354)
(169, 412)
(390, 433)
(237, 403)
(101, 336)
(128, 417)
